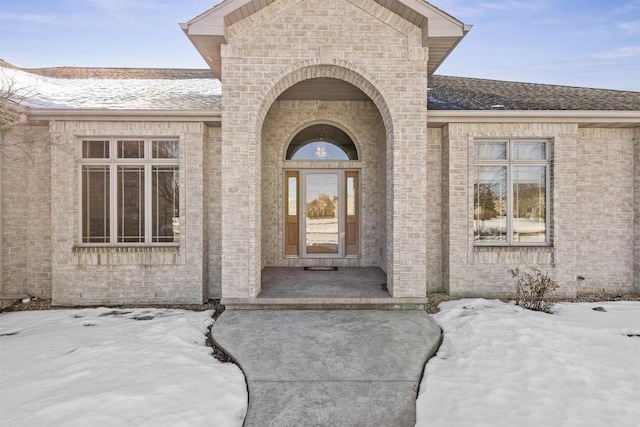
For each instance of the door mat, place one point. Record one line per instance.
(321, 268)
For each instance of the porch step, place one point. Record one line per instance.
(324, 303)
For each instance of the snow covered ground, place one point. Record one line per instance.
(500, 365)
(106, 367)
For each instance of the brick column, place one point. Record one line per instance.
(407, 197)
(240, 174)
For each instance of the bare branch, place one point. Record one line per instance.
(16, 137)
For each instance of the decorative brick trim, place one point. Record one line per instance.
(312, 68)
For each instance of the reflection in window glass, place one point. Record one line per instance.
(322, 208)
(130, 149)
(529, 151)
(529, 204)
(292, 203)
(351, 195)
(519, 215)
(320, 150)
(95, 149)
(165, 210)
(490, 150)
(130, 191)
(95, 204)
(130, 204)
(490, 204)
(165, 149)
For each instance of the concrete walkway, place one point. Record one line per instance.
(329, 367)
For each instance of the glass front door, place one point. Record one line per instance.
(322, 210)
(321, 213)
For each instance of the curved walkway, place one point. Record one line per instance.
(329, 367)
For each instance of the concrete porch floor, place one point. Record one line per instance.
(346, 288)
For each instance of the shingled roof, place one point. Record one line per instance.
(117, 88)
(162, 88)
(462, 93)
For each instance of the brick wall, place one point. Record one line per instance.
(433, 198)
(444, 211)
(89, 276)
(604, 215)
(213, 190)
(26, 212)
(482, 271)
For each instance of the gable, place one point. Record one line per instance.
(440, 32)
(344, 27)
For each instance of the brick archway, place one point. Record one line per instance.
(262, 135)
(341, 70)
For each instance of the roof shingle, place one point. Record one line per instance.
(162, 88)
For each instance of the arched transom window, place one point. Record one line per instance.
(322, 142)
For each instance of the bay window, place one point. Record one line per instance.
(511, 197)
(129, 192)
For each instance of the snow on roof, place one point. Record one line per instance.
(111, 93)
(195, 89)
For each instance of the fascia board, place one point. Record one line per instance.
(220, 10)
(535, 116)
(211, 26)
(429, 11)
(102, 114)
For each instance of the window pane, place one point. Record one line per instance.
(130, 149)
(351, 195)
(95, 149)
(95, 204)
(130, 204)
(165, 192)
(490, 204)
(165, 149)
(292, 192)
(529, 150)
(322, 208)
(529, 204)
(320, 150)
(490, 150)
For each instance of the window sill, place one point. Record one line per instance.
(511, 248)
(126, 249)
(531, 255)
(505, 245)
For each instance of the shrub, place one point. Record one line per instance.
(533, 289)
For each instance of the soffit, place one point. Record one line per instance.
(440, 31)
(323, 89)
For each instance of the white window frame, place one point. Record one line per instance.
(113, 162)
(510, 163)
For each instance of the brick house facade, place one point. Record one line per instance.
(366, 68)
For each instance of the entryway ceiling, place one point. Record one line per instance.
(323, 89)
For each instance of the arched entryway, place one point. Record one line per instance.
(302, 95)
(323, 180)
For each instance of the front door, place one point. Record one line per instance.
(322, 227)
(321, 213)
